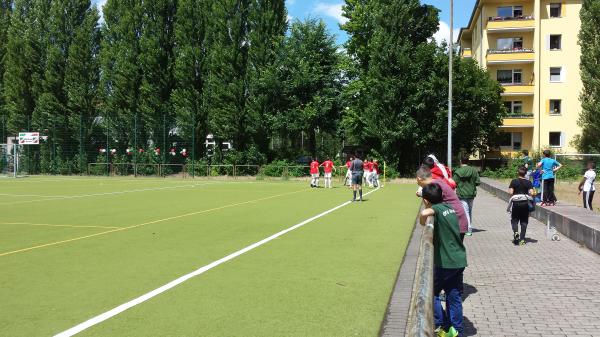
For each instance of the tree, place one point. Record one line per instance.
(589, 40)
(398, 102)
(24, 61)
(81, 86)
(360, 27)
(156, 66)
(268, 24)
(5, 11)
(310, 75)
(191, 69)
(121, 72)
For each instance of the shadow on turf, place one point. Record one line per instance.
(476, 230)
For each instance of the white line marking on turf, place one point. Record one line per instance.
(62, 197)
(128, 305)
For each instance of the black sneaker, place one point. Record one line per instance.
(516, 238)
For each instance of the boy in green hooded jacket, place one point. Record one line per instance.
(467, 180)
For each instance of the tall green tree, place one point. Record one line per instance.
(24, 61)
(121, 72)
(310, 73)
(156, 61)
(81, 87)
(268, 24)
(190, 73)
(5, 11)
(360, 26)
(64, 21)
(589, 40)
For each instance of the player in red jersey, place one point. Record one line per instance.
(349, 172)
(314, 173)
(328, 167)
(375, 173)
(366, 171)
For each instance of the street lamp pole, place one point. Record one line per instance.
(451, 55)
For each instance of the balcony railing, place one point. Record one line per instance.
(510, 18)
(510, 51)
(522, 115)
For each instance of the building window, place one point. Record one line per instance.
(510, 76)
(510, 11)
(514, 107)
(517, 140)
(505, 11)
(555, 139)
(555, 107)
(555, 42)
(555, 10)
(517, 107)
(510, 43)
(511, 140)
(555, 74)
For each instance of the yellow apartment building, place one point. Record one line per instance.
(530, 47)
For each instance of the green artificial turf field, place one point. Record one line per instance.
(74, 248)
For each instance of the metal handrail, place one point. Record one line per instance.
(420, 313)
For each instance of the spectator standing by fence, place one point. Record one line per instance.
(449, 260)
(549, 167)
(587, 186)
(448, 194)
(467, 180)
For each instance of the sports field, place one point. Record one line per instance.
(83, 250)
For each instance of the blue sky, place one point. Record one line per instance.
(331, 12)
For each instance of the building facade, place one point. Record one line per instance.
(531, 48)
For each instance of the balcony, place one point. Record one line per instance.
(518, 89)
(517, 55)
(466, 52)
(510, 24)
(523, 120)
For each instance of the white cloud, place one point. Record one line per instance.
(331, 10)
(443, 33)
(290, 18)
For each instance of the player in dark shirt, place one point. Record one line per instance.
(357, 176)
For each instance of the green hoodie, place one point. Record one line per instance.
(467, 180)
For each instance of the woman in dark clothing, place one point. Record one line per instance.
(521, 190)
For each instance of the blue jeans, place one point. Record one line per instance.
(451, 282)
(469, 203)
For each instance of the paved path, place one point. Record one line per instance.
(542, 289)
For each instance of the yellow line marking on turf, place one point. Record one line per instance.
(150, 223)
(51, 225)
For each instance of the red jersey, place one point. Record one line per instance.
(348, 164)
(314, 167)
(436, 173)
(328, 166)
(375, 167)
(367, 166)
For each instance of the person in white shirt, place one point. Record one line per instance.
(587, 186)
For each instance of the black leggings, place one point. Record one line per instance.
(588, 197)
(520, 214)
(548, 192)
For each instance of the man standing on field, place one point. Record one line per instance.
(314, 173)
(328, 166)
(357, 177)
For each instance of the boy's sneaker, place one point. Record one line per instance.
(440, 332)
(451, 332)
(522, 242)
(469, 233)
(516, 238)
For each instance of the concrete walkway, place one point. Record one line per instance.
(544, 288)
